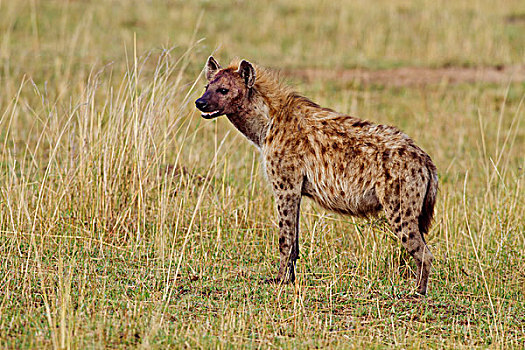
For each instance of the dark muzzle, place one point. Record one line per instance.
(201, 104)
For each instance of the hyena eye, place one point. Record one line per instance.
(222, 91)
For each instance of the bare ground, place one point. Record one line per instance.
(410, 76)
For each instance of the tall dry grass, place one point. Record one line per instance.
(126, 220)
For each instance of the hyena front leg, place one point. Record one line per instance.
(295, 249)
(294, 255)
(288, 199)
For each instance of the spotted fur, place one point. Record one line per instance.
(345, 164)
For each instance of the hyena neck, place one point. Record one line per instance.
(253, 121)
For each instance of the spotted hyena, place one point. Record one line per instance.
(347, 165)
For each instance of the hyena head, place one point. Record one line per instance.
(227, 89)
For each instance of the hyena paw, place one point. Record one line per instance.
(274, 280)
(420, 294)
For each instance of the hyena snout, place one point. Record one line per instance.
(208, 109)
(201, 104)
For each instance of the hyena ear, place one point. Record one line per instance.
(247, 71)
(212, 66)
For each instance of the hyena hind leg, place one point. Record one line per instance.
(407, 229)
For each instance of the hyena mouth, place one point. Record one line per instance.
(210, 115)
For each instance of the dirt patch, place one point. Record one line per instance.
(409, 76)
(515, 18)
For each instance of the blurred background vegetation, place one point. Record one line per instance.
(126, 220)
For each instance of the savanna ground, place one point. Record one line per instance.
(126, 220)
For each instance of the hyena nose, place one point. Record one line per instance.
(201, 104)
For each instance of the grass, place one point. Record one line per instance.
(128, 221)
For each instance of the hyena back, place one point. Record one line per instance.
(347, 165)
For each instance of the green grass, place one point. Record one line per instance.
(126, 220)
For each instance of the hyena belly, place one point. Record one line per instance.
(341, 192)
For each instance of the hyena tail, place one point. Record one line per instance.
(427, 212)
